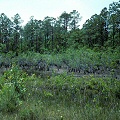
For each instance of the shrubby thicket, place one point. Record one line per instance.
(32, 86)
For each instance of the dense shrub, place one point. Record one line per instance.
(82, 90)
(12, 89)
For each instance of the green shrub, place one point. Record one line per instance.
(82, 90)
(12, 89)
(29, 113)
(9, 99)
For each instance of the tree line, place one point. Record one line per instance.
(58, 34)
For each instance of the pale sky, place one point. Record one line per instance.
(52, 8)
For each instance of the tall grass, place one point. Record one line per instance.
(65, 97)
(61, 97)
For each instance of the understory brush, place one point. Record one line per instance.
(66, 97)
(87, 89)
(62, 96)
(12, 89)
(83, 59)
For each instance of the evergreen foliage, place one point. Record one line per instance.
(51, 69)
(56, 35)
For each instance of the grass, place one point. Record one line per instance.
(62, 97)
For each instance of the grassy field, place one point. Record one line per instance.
(62, 96)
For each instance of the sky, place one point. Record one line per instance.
(52, 8)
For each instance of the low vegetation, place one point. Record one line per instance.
(61, 96)
(52, 70)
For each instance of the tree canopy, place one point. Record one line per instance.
(58, 34)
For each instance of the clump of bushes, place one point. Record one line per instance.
(87, 89)
(29, 113)
(12, 89)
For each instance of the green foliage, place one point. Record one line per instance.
(56, 35)
(9, 99)
(2, 48)
(12, 89)
(29, 113)
(64, 96)
(88, 89)
(61, 96)
(102, 90)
